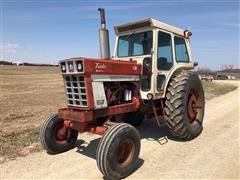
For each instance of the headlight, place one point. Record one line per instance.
(79, 66)
(63, 67)
(70, 66)
(149, 96)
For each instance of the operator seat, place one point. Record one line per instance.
(162, 63)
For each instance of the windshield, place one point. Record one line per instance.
(135, 44)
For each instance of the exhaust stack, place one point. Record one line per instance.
(104, 36)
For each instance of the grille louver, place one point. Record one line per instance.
(76, 90)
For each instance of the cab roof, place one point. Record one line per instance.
(147, 23)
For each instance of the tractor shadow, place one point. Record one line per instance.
(88, 149)
(148, 130)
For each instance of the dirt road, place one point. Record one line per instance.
(214, 154)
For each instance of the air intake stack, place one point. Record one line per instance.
(104, 36)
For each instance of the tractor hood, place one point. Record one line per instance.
(99, 66)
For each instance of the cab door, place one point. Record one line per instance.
(164, 60)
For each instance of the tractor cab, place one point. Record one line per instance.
(162, 49)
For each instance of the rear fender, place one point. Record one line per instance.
(175, 71)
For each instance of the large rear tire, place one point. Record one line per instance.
(118, 151)
(54, 141)
(184, 106)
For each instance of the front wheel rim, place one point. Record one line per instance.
(125, 153)
(61, 136)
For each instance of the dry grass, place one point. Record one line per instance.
(28, 96)
(213, 89)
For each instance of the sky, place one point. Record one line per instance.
(46, 31)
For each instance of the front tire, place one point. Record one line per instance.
(184, 106)
(118, 151)
(53, 141)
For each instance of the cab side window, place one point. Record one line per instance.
(181, 50)
(164, 58)
(124, 50)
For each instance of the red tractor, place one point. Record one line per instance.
(148, 76)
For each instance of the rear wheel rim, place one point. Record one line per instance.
(193, 106)
(125, 153)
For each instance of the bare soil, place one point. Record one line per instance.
(28, 96)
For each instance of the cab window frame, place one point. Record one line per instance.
(130, 48)
(172, 51)
(175, 49)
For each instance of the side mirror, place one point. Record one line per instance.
(195, 64)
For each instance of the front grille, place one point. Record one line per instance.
(76, 90)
